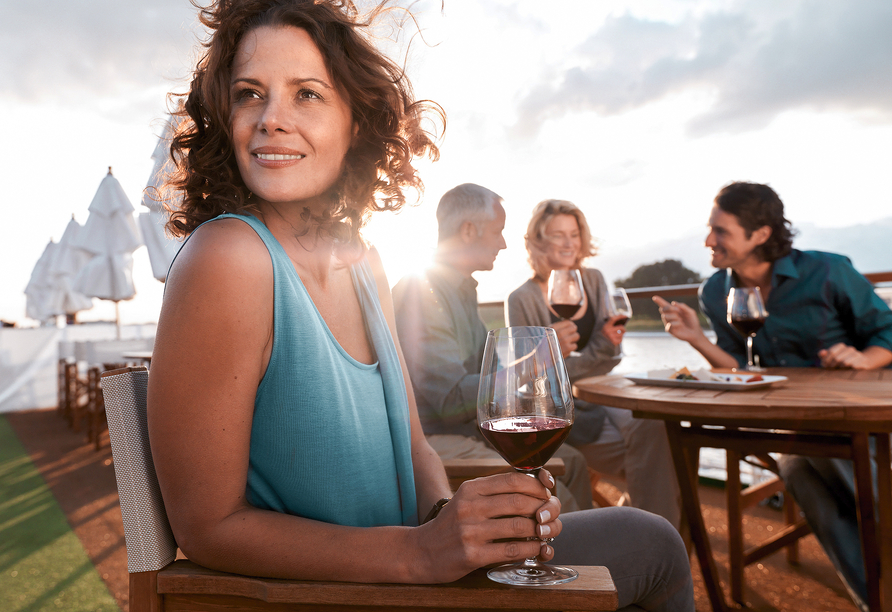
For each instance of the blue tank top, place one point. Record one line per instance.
(330, 438)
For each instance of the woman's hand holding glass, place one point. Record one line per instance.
(568, 336)
(492, 520)
(614, 329)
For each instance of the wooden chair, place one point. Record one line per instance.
(62, 392)
(66, 356)
(597, 496)
(75, 395)
(159, 583)
(740, 499)
(96, 422)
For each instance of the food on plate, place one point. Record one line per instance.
(683, 374)
(755, 378)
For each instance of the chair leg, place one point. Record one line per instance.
(735, 525)
(737, 500)
(72, 393)
(144, 595)
(61, 382)
(791, 516)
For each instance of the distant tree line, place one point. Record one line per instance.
(659, 274)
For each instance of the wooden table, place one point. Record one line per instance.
(815, 412)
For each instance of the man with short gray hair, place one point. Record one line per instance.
(443, 337)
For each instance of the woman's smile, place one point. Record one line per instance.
(266, 155)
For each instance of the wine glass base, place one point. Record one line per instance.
(519, 574)
(755, 368)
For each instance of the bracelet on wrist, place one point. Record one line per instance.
(435, 510)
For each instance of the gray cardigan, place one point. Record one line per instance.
(527, 306)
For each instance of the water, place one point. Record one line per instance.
(645, 351)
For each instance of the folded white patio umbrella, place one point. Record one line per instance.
(39, 291)
(161, 247)
(65, 265)
(110, 236)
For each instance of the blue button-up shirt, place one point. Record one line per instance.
(816, 300)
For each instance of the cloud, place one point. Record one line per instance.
(754, 64)
(82, 52)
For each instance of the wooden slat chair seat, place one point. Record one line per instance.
(161, 583)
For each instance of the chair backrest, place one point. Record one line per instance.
(150, 542)
(81, 351)
(66, 349)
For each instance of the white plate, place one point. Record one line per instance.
(728, 382)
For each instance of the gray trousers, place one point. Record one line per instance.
(644, 553)
(825, 490)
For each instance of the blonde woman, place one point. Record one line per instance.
(613, 443)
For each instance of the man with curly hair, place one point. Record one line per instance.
(822, 313)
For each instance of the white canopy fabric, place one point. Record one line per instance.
(66, 263)
(110, 236)
(39, 291)
(161, 247)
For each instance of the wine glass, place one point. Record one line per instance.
(620, 305)
(525, 410)
(565, 292)
(746, 313)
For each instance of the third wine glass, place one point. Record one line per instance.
(620, 305)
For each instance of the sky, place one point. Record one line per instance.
(638, 111)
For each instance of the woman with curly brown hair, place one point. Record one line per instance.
(283, 425)
(282, 431)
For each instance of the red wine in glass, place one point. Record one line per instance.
(565, 292)
(747, 326)
(527, 443)
(747, 313)
(565, 311)
(525, 410)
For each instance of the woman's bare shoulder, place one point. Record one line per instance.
(226, 250)
(218, 303)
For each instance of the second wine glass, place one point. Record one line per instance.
(746, 313)
(565, 292)
(525, 410)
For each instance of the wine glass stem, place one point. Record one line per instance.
(531, 563)
(749, 353)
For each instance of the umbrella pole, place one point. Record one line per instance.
(118, 318)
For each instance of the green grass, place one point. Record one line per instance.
(42, 563)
